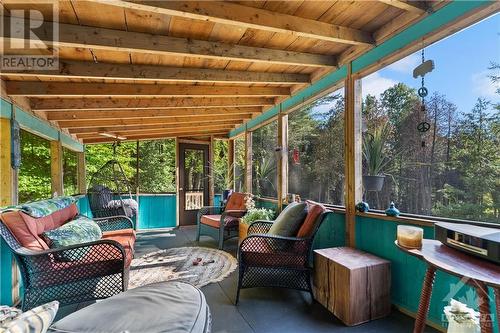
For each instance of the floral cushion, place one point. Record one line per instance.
(36, 320)
(78, 231)
(43, 208)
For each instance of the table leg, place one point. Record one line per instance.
(425, 300)
(484, 307)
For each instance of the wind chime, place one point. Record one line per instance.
(421, 70)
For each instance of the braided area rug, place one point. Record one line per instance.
(176, 264)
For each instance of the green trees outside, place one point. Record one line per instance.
(70, 173)
(264, 172)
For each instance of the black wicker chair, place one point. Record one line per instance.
(100, 273)
(274, 261)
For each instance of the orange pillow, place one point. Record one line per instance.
(236, 201)
(314, 210)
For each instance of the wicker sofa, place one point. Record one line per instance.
(100, 272)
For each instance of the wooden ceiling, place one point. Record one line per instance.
(154, 69)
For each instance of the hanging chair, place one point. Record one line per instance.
(109, 192)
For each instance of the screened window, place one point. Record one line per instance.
(34, 174)
(451, 170)
(239, 164)
(70, 173)
(264, 171)
(220, 167)
(157, 166)
(316, 150)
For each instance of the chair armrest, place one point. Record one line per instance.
(114, 223)
(208, 210)
(260, 227)
(234, 213)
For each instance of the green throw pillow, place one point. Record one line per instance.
(289, 221)
(78, 231)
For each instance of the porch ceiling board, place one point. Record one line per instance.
(157, 132)
(85, 70)
(218, 134)
(149, 121)
(96, 104)
(250, 17)
(76, 36)
(125, 114)
(414, 6)
(140, 128)
(58, 89)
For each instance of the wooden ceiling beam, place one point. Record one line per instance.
(77, 36)
(138, 128)
(90, 70)
(221, 134)
(418, 7)
(250, 18)
(126, 114)
(150, 121)
(58, 89)
(126, 133)
(71, 104)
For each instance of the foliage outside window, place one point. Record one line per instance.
(70, 172)
(316, 150)
(34, 174)
(220, 167)
(452, 170)
(264, 171)
(239, 164)
(157, 166)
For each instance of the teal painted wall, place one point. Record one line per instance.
(157, 211)
(5, 274)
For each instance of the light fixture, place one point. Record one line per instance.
(111, 135)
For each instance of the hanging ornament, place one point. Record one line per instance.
(421, 70)
(296, 156)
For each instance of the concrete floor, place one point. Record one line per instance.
(260, 310)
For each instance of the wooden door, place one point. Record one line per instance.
(193, 181)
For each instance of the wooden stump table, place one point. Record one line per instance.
(352, 284)
(477, 272)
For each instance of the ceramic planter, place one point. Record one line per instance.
(373, 183)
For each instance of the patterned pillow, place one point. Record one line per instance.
(78, 231)
(43, 208)
(36, 320)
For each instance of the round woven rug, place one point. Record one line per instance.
(177, 264)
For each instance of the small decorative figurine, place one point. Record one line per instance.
(392, 210)
(363, 207)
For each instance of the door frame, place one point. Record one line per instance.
(181, 146)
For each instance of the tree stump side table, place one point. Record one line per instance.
(352, 284)
(478, 273)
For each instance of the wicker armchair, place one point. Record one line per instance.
(274, 261)
(97, 269)
(219, 223)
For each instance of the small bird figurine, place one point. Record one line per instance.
(392, 210)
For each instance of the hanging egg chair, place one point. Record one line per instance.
(109, 192)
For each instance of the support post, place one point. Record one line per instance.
(248, 162)
(56, 167)
(81, 173)
(6, 172)
(282, 159)
(177, 183)
(230, 163)
(352, 153)
(211, 183)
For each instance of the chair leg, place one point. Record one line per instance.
(240, 280)
(221, 237)
(198, 232)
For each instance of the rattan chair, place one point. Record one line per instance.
(274, 261)
(97, 270)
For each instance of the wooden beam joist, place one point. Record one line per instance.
(221, 134)
(127, 133)
(418, 7)
(251, 18)
(58, 89)
(132, 128)
(141, 128)
(150, 121)
(125, 114)
(89, 70)
(71, 104)
(77, 36)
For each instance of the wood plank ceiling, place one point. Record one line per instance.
(154, 69)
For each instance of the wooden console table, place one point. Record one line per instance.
(479, 274)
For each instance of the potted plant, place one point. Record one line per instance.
(253, 214)
(375, 159)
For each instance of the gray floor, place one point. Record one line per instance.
(260, 310)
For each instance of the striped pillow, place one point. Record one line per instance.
(36, 320)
